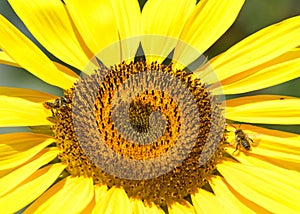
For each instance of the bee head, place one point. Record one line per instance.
(237, 131)
(46, 105)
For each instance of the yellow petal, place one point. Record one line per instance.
(49, 23)
(167, 22)
(29, 56)
(207, 23)
(115, 201)
(276, 163)
(17, 148)
(253, 99)
(291, 55)
(96, 22)
(284, 111)
(7, 60)
(258, 48)
(30, 189)
(14, 178)
(178, 208)
(99, 192)
(234, 202)
(287, 164)
(16, 111)
(70, 195)
(274, 72)
(6, 171)
(263, 186)
(139, 207)
(206, 202)
(71, 74)
(28, 94)
(128, 19)
(270, 132)
(278, 153)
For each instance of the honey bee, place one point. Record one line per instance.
(59, 102)
(242, 139)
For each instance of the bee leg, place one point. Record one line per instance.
(236, 148)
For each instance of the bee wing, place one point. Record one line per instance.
(255, 138)
(254, 135)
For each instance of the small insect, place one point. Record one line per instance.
(241, 139)
(59, 102)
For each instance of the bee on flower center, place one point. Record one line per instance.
(57, 103)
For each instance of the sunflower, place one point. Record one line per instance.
(142, 126)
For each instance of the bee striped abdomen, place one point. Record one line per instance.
(245, 144)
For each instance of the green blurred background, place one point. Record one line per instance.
(255, 15)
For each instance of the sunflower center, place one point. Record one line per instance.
(148, 129)
(139, 116)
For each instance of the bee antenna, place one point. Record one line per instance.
(233, 126)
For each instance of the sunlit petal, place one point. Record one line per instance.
(258, 48)
(274, 72)
(282, 111)
(233, 201)
(49, 23)
(30, 189)
(128, 18)
(99, 192)
(17, 148)
(14, 178)
(139, 207)
(114, 201)
(27, 94)
(165, 26)
(209, 20)
(181, 208)
(263, 186)
(203, 200)
(16, 111)
(96, 23)
(29, 56)
(62, 197)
